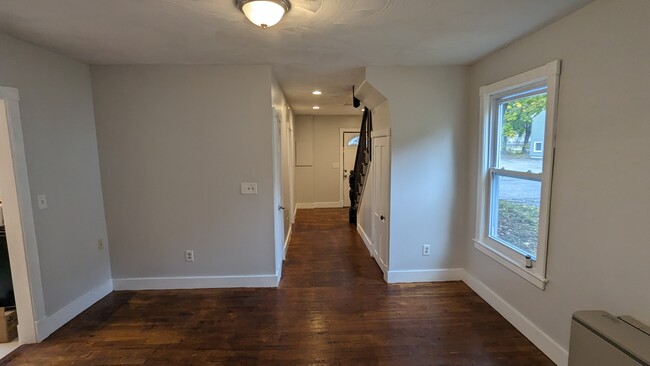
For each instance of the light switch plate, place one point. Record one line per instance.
(42, 201)
(249, 188)
(336, 165)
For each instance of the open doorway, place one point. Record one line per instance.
(349, 142)
(20, 284)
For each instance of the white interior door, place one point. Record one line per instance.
(350, 145)
(380, 199)
(277, 192)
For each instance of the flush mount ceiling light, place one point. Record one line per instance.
(316, 107)
(264, 13)
(317, 92)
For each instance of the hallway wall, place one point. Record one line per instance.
(318, 184)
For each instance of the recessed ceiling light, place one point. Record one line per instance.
(316, 107)
(317, 92)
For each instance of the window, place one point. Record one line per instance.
(354, 141)
(517, 146)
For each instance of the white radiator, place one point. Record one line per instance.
(601, 339)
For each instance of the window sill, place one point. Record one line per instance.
(515, 267)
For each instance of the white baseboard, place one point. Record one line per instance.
(310, 205)
(430, 275)
(175, 283)
(558, 354)
(372, 251)
(365, 238)
(286, 242)
(49, 324)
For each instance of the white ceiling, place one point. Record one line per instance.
(320, 44)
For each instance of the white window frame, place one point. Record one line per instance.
(541, 146)
(548, 75)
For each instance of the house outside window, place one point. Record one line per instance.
(515, 172)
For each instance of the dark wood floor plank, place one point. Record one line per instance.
(332, 308)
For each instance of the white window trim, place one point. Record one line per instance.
(511, 259)
(535, 149)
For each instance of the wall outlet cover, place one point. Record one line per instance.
(42, 201)
(249, 188)
(426, 249)
(189, 256)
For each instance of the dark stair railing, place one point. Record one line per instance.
(359, 175)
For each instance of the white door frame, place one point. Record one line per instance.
(342, 182)
(291, 165)
(19, 219)
(278, 214)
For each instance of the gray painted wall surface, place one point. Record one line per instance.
(175, 142)
(321, 182)
(58, 125)
(598, 244)
(428, 113)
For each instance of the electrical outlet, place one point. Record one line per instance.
(100, 244)
(426, 249)
(42, 201)
(189, 256)
(249, 188)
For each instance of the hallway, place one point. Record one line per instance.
(332, 308)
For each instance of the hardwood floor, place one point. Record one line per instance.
(332, 308)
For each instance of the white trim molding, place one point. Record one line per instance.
(286, 242)
(381, 133)
(425, 275)
(366, 239)
(515, 267)
(342, 178)
(49, 324)
(19, 219)
(176, 283)
(541, 340)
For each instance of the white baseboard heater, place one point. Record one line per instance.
(601, 339)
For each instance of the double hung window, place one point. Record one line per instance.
(516, 162)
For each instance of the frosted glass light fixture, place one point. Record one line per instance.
(264, 13)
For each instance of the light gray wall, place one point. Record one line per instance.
(61, 149)
(428, 163)
(175, 142)
(598, 246)
(321, 183)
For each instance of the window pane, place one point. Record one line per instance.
(351, 139)
(515, 213)
(522, 123)
(354, 141)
